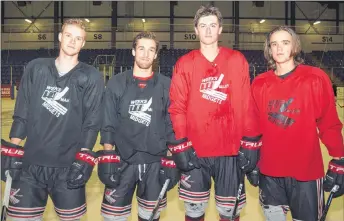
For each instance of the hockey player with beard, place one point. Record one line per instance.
(211, 116)
(134, 134)
(295, 108)
(58, 112)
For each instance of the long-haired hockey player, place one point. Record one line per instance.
(295, 107)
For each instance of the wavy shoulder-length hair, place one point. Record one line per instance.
(296, 50)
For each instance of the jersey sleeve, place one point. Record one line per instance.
(328, 123)
(179, 92)
(250, 110)
(21, 109)
(92, 101)
(110, 115)
(168, 123)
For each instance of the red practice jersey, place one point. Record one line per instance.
(210, 101)
(294, 113)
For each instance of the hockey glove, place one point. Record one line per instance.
(11, 159)
(110, 167)
(184, 155)
(248, 153)
(335, 176)
(169, 170)
(253, 177)
(81, 169)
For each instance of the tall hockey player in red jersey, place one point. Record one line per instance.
(135, 131)
(58, 112)
(210, 112)
(295, 107)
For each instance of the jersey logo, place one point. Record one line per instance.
(53, 96)
(185, 181)
(14, 195)
(209, 89)
(277, 110)
(110, 195)
(138, 111)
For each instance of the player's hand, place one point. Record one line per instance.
(184, 155)
(169, 170)
(110, 167)
(249, 153)
(81, 169)
(335, 176)
(11, 159)
(253, 177)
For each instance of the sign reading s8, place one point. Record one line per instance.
(97, 36)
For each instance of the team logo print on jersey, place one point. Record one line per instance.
(277, 110)
(14, 195)
(110, 195)
(209, 89)
(185, 181)
(138, 111)
(53, 97)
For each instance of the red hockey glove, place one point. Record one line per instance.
(81, 169)
(335, 176)
(11, 159)
(169, 170)
(249, 153)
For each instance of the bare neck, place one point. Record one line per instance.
(140, 72)
(210, 51)
(283, 68)
(65, 63)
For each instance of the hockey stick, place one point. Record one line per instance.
(237, 200)
(161, 196)
(6, 196)
(328, 203)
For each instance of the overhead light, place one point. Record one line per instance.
(262, 21)
(317, 22)
(143, 20)
(28, 20)
(87, 20)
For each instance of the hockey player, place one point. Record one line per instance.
(135, 131)
(58, 112)
(210, 106)
(295, 108)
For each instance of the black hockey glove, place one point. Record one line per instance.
(253, 177)
(81, 169)
(184, 155)
(335, 176)
(169, 170)
(11, 159)
(110, 167)
(248, 153)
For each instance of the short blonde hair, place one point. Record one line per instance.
(74, 21)
(295, 53)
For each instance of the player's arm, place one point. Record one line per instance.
(181, 148)
(330, 128)
(251, 141)
(110, 117)
(81, 169)
(21, 110)
(328, 122)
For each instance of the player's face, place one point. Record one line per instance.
(281, 44)
(72, 39)
(145, 53)
(208, 29)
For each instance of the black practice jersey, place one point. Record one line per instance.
(57, 115)
(136, 119)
